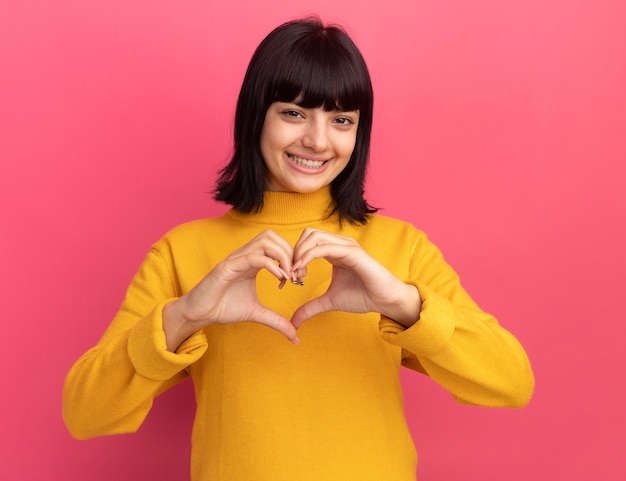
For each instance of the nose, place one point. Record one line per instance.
(316, 136)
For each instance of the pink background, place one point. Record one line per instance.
(500, 129)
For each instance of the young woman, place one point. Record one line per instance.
(294, 311)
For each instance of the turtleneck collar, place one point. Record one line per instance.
(286, 208)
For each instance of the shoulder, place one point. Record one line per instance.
(191, 228)
(384, 234)
(392, 226)
(193, 233)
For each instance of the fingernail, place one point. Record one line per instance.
(282, 283)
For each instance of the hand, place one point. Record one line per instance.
(228, 293)
(359, 282)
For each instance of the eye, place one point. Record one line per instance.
(344, 121)
(293, 114)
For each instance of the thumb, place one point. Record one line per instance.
(277, 322)
(310, 309)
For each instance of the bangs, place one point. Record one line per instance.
(313, 66)
(318, 74)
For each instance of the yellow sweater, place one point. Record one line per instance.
(330, 409)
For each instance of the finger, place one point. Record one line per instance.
(305, 249)
(249, 265)
(270, 244)
(336, 254)
(306, 233)
(277, 322)
(318, 236)
(298, 275)
(310, 309)
(311, 237)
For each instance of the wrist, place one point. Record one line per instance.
(175, 325)
(406, 310)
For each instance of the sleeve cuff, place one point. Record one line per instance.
(428, 335)
(149, 355)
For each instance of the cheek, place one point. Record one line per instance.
(266, 144)
(348, 146)
(273, 138)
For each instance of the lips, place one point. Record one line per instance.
(308, 163)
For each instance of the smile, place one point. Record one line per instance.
(311, 164)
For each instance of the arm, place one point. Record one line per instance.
(442, 332)
(110, 389)
(458, 345)
(158, 332)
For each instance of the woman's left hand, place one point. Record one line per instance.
(359, 282)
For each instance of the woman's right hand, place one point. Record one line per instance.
(228, 293)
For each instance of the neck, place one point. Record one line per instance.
(292, 208)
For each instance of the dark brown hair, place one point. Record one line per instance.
(320, 66)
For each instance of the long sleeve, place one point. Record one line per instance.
(252, 385)
(459, 346)
(110, 389)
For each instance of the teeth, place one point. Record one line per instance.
(311, 164)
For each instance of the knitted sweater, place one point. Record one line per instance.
(267, 410)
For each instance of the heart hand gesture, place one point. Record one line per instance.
(228, 293)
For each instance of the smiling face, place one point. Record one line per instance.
(304, 149)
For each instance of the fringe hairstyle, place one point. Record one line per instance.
(320, 66)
